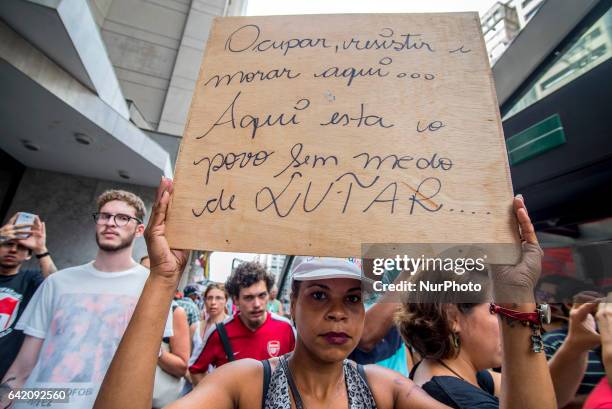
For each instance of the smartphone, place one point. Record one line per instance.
(24, 218)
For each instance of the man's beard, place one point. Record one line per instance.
(254, 323)
(124, 243)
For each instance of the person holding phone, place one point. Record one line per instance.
(76, 318)
(21, 238)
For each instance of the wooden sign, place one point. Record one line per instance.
(311, 135)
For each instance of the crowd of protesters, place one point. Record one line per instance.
(114, 333)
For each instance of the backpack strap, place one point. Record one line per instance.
(227, 347)
(266, 381)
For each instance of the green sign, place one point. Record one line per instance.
(535, 140)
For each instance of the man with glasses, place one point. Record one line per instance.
(17, 285)
(77, 317)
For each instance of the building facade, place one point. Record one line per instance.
(554, 86)
(503, 21)
(274, 263)
(526, 9)
(95, 96)
(500, 24)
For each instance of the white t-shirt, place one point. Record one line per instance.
(81, 313)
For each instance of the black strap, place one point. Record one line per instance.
(227, 347)
(362, 373)
(413, 370)
(294, 391)
(266, 381)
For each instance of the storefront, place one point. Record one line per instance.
(559, 138)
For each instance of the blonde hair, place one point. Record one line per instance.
(124, 196)
(216, 286)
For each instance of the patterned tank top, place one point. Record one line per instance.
(357, 388)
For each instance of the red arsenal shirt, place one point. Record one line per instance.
(274, 338)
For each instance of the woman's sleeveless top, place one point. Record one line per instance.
(357, 388)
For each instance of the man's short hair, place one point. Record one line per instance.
(124, 196)
(247, 274)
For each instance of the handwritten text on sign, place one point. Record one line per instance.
(314, 134)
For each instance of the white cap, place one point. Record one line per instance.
(324, 268)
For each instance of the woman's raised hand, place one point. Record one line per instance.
(516, 283)
(165, 262)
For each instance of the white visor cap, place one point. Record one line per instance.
(307, 268)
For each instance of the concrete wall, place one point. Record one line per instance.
(187, 66)
(99, 9)
(142, 38)
(156, 48)
(65, 203)
(171, 143)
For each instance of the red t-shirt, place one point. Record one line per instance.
(600, 397)
(274, 338)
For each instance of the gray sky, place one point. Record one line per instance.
(286, 7)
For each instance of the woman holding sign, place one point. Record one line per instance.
(329, 316)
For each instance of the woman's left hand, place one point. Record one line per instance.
(516, 283)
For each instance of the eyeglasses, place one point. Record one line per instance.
(119, 219)
(212, 298)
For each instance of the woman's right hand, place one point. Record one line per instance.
(165, 262)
